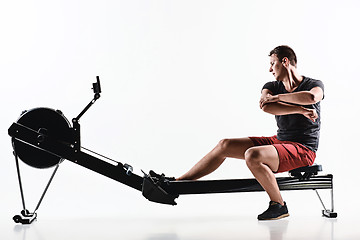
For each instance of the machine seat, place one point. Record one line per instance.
(306, 172)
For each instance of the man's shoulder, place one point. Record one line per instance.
(311, 83)
(272, 84)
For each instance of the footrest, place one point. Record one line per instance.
(153, 190)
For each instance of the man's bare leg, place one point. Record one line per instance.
(262, 162)
(233, 148)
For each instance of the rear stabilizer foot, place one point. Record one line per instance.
(329, 214)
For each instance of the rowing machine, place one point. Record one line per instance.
(43, 138)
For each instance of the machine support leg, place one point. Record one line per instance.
(26, 217)
(46, 188)
(326, 212)
(20, 183)
(332, 200)
(322, 203)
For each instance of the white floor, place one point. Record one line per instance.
(242, 227)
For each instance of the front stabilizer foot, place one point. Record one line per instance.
(25, 217)
(152, 190)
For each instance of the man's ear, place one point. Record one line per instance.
(285, 61)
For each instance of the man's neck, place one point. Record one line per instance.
(292, 80)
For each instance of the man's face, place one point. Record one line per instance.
(277, 68)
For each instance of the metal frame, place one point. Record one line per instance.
(161, 190)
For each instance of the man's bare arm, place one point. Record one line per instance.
(281, 108)
(302, 98)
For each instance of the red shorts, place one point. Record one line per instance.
(291, 154)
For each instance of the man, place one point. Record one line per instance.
(295, 101)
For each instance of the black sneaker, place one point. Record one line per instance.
(275, 211)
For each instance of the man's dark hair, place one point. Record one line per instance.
(285, 51)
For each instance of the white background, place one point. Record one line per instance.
(177, 77)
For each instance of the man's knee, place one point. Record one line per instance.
(253, 156)
(256, 157)
(223, 144)
(233, 147)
